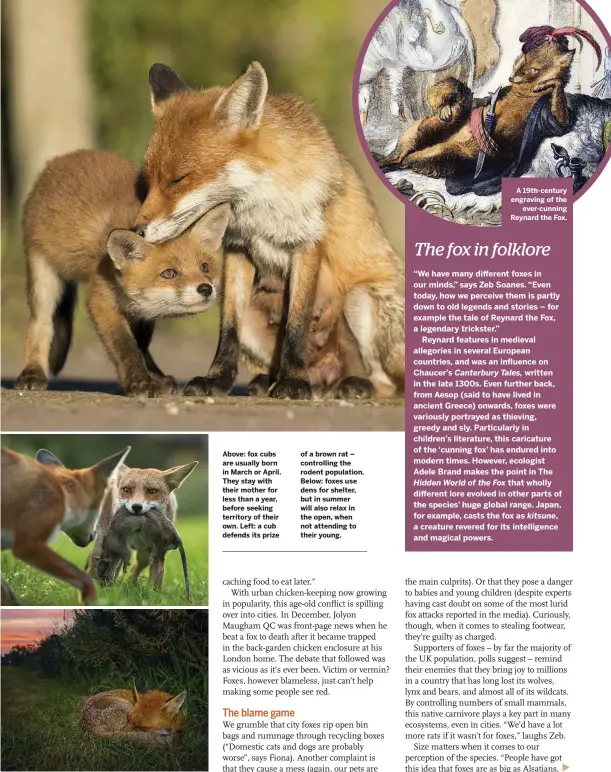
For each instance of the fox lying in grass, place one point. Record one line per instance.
(445, 144)
(151, 718)
(75, 230)
(40, 498)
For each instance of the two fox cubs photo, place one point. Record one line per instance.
(109, 513)
(104, 689)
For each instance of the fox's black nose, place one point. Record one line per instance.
(136, 508)
(205, 290)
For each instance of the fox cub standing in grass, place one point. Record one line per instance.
(74, 229)
(153, 718)
(143, 493)
(40, 498)
(296, 201)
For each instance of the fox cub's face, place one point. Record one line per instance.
(83, 490)
(141, 490)
(204, 150)
(545, 63)
(177, 278)
(156, 711)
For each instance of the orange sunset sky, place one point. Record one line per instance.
(23, 626)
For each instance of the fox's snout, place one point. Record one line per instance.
(140, 507)
(206, 290)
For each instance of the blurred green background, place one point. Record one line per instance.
(74, 75)
(160, 451)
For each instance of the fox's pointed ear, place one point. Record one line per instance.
(210, 229)
(107, 466)
(164, 83)
(173, 705)
(47, 458)
(124, 247)
(241, 106)
(175, 476)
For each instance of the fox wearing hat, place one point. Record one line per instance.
(475, 143)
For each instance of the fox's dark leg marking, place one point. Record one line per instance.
(238, 278)
(116, 335)
(143, 333)
(293, 381)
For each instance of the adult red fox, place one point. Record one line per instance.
(145, 495)
(39, 499)
(295, 201)
(75, 230)
(150, 717)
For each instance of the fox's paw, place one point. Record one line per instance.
(144, 387)
(291, 388)
(168, 383)
(259, 386)
(31, 379)
(217, 386)
(355, 388)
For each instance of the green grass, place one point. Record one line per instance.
(41, 731)
(35, 588)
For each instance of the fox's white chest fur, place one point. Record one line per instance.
(271, 219)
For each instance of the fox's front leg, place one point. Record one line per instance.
(238, 278)
(157, 572)
(120, 344)
(143, 333)
(39, 555)
(293, 381)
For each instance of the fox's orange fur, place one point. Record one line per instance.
(40, 498)
(151, 717)
(296, 202)
(75, 231)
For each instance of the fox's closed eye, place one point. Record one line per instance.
(176, 180)
(169, 273)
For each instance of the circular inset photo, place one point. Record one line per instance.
(455, 95)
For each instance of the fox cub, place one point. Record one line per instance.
(75, 230)
(153, 717)
(40, 498)
(142, 493)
